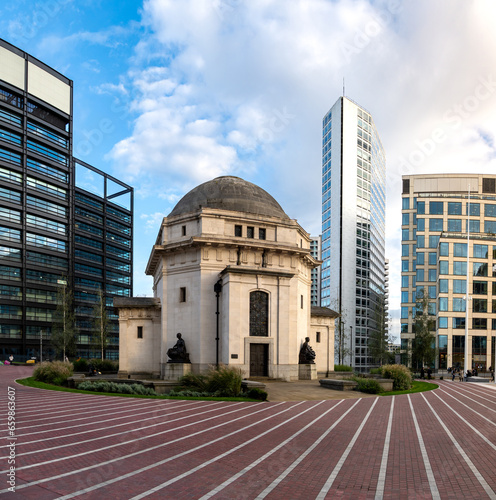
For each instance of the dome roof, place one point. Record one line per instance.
(230, 193)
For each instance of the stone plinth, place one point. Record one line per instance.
(307, 372)
(479, 380)
(338, 385)
(174, 371)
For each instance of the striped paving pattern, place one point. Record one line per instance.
(440, 445)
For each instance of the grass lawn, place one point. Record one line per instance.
(417, 386)
(31, 382)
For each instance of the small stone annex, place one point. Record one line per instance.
(231, 274)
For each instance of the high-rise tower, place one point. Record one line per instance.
(353, 226)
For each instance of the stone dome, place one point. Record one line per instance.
(230, 193)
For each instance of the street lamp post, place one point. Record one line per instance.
(351, 346)
(217, 290)
(41, 346)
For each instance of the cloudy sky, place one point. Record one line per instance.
(171, 93)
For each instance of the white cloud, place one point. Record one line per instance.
(240, 87)
(152, 222)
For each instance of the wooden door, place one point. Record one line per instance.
(259, 360)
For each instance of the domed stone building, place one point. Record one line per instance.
(231, 273)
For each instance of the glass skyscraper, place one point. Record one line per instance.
(62, 221)
(353, 271)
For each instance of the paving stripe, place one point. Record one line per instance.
(132, 441)
(235, 477)
(88, 416)
(486, 389)
(469, 462)
(284, 474)
(132, 419)
(469, 407)
(381, 482)
(328, 484)
(192, 450)
(146, 450)
(107, 436)
(219, 457)
(59, 410)
(470, 399)
(78, 426)
(466, 422)
(427, 464)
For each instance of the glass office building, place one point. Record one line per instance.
(353, 225)
(448, 253)
(62, 221)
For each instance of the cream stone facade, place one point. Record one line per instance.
(232, 273)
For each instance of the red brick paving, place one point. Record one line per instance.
(189, 445)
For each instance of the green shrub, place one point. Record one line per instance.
(104, 365)
(343, 368)
(223, 381)
(256, 393)
(375, 371)
(55, 373)
(194, 381)
(401, 375)
(368, 385)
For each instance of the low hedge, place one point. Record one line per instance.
(368, 385)
(256, 393)
(104, 386)
(101, 365)
(343, 368)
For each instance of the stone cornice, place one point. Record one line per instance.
(216, 241)
(261, 271)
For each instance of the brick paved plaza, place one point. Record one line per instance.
(438, 444)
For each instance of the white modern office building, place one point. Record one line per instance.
(353, 225)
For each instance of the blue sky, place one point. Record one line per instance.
(171, 93)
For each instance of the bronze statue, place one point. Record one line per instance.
(307, 354)
(178, 354)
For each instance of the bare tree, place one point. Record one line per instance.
(101, 325)
(63, 337)
(424, 342)
(380, 338)
(341, 339)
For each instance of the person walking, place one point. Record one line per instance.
(460, 375)
(11, 359)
